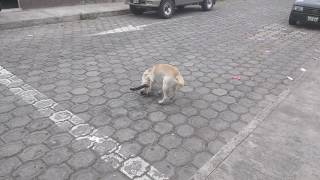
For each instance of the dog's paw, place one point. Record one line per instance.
(143, 93)
(162, 101)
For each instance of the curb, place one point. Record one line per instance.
(102, 14)
(54, 20)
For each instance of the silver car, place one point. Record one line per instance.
(166, 8)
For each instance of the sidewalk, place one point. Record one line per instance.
(285, 146)
(23, 18)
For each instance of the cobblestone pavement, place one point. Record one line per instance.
(235, 59)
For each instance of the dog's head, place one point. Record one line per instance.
(146, 77)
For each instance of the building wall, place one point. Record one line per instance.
(28, 4)
(8, 4)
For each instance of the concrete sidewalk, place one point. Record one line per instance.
(285, 145)
(23, 18)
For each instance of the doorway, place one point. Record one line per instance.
(9, 4)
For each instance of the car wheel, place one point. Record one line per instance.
(166, 9)
(180, 8)
(135, 10)
(292, 21)
(207, 5)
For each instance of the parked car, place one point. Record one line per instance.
(166, 8)
(305, 11)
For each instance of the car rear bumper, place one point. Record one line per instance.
(303, 18)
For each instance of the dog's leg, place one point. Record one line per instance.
(147, 90)
(165, 89)
(173, 92)
(147, 79)
(165, 96)
(143, 92)
(175, 89)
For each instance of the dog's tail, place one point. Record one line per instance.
(139, 87)
(180, 81)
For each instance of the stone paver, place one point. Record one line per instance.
(56, 172)
(82, 159)
(57, 156)
(8, 165)
(33, 152)
(234, 59)
(29, 170)
(10, 149)
(284, 145)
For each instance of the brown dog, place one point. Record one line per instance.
(168, 75)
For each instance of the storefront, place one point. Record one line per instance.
(28, 4)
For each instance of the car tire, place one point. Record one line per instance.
(207, 5)
(292, 21)
(166, 9)
(136, 11)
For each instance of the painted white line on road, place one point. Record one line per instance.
(131, 28)
(128, 28)
(134, 167)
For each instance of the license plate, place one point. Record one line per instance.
(312, 19)
(135, 1)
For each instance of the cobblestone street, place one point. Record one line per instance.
(66, 111)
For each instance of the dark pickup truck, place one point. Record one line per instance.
(305, 11)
